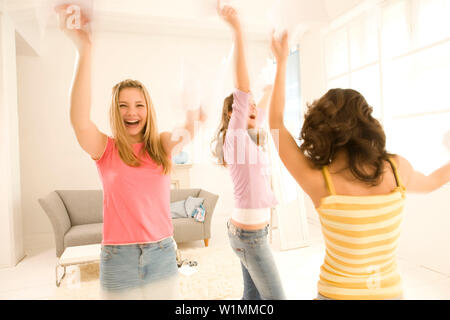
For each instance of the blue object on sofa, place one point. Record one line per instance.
(185, 208)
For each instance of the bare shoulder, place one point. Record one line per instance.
(404, 168)
(313, 183)
(401, 162)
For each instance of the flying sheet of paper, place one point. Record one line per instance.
(290, 15)
(266, 77)
(208, 8)
(190, 86)
(215, 91)
(86, 6)
(194, 87)
(45, 10)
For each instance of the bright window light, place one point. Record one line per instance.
(408, 84)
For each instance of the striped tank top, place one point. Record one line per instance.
(361, 236)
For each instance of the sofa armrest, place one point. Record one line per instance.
(57, 213)
(210, 201)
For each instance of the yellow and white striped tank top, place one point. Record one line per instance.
(361, 236)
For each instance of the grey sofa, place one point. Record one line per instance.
(77, 217)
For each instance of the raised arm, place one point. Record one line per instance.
(262, 106)
(89, 137)
(265, 99)
(290, 154)
(229, 14)
(417, 182)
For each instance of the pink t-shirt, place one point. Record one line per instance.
(136, 200)
(248, 163)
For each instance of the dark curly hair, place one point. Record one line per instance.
(342, 120)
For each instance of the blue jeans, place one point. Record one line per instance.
(139, 271)
(259, 271)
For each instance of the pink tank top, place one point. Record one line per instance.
(136, 200)
(248, 163)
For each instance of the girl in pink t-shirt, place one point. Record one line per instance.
(241, 147)
(138, 258)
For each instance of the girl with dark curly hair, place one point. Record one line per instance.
(357, 187)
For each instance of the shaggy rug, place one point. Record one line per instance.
(217, 276)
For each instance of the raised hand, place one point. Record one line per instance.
(280, 47)
(67, 19)
(229, 14)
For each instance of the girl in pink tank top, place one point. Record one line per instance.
(241, 147)
(138, 256)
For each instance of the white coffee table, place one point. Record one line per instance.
(77, 256)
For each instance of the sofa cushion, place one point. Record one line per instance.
(83, 235)
(83, 206)
(178, 210)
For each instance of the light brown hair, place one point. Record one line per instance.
(219, 138)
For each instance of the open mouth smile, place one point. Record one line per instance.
(131, 123)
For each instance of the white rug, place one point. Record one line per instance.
(217, 276)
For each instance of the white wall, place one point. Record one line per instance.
(50, 155)
(11, 238)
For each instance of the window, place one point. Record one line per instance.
(397, 56)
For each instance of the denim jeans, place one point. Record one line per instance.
(139, 271)
(259, 271)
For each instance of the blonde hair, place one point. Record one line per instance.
(152, 140)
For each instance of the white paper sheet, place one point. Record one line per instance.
(292, 15)
(45, 11)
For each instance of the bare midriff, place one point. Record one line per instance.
(250, 226)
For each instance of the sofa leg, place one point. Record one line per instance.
(206, 242)
(58, 280)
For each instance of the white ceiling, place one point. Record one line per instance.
(258, 15)
(254, 11)
(192, 17)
